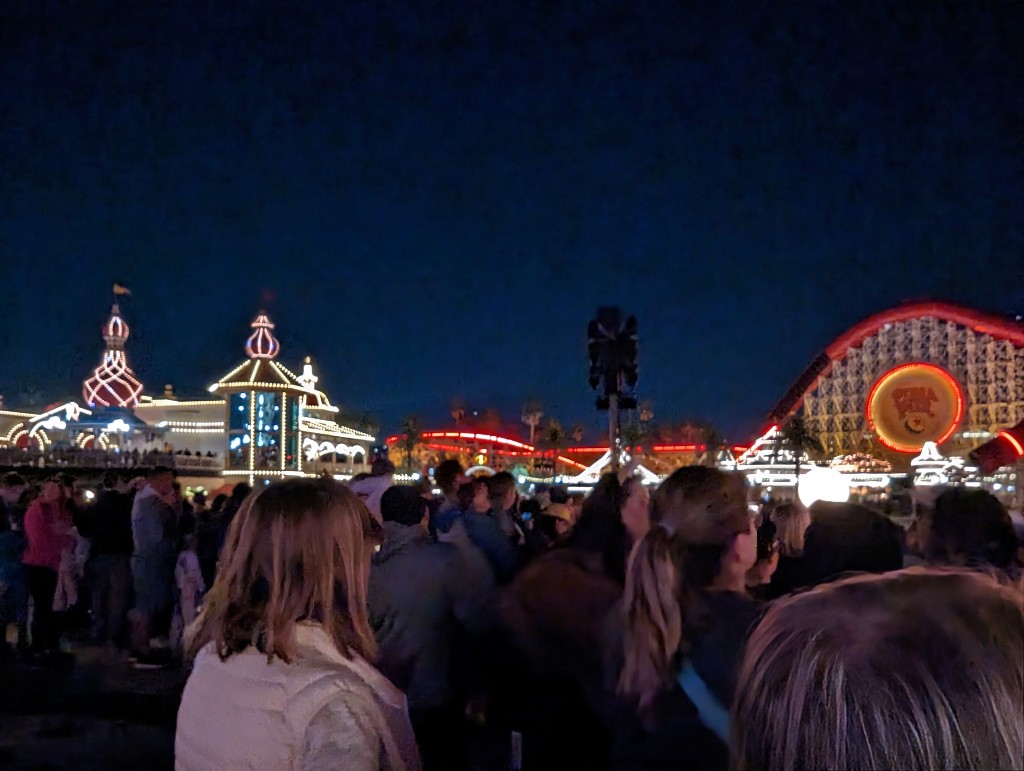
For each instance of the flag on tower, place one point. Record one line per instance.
(121, 290)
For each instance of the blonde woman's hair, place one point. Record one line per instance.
(298, 550)
(792, 521)
(697, 513)
(921, 668)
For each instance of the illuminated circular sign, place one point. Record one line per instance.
(914, 404)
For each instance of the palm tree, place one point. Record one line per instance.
(369, 423)
(639, 428)
(532, 413)
(552, 437)
(410, 437)
(632, 432)
(712, 441)
(645, 411)
(688, 432)
(457, 409)
(796, 437)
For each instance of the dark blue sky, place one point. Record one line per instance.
(432, 198)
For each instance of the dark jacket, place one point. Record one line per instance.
(788, 577)
(488, 535)
(552, 615)
(422, 596)
(12, 548)
(672, 736)
(554, 612)
(108, 524)
(211, 532)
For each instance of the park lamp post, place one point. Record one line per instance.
(612, 348)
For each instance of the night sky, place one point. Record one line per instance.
(432, 199)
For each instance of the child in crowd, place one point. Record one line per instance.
(72, 567)
(188, 577)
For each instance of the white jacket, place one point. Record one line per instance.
(322, 711)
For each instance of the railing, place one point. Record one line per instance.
(196, 463)
(100, 459)
(320, 467)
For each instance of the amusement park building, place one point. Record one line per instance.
(920, 372)
(261, 421)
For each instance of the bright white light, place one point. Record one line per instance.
(522, 479)
(89, 495)
(823, 484)
(53, 421)
(119, 425)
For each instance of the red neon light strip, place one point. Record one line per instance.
(479, 437)
(525, 449)
(1012, 440)
(565, 460)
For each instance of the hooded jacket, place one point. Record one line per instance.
(422, 595)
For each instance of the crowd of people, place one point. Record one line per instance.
(126, 570)
(378, 626)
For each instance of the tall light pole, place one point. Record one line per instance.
(612, 347)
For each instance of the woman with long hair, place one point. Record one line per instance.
(615, 515)
(918, 668)
(282, 677)
(554, 614)
(791, 520)
(685, 617)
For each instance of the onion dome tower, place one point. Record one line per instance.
(113, 384)
(264, 399)
(275, 418)
(261, 343)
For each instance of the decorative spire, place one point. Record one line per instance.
(115, 331)
(308, 380)
(262, 344)
(113, 384)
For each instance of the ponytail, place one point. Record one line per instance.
(652, 616)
